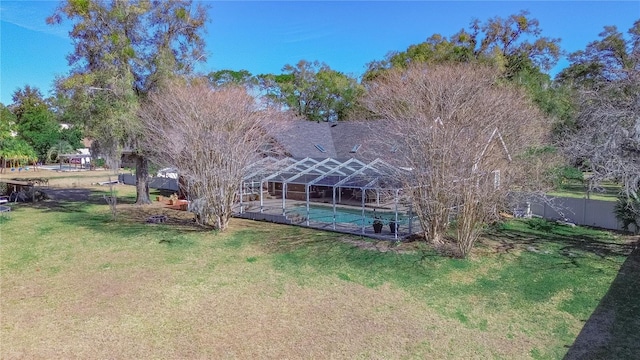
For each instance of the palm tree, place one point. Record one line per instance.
(15, 151)
(61, 147)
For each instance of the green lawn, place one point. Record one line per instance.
(75, 284)
(608, 191)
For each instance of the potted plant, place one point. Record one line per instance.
(377, 226)
(393, 226)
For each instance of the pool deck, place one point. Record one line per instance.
(275, 206)
(272, 208)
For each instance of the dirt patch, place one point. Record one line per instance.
(142, 214)
(382, 245)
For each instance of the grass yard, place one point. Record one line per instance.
(608, 191)
(75, 284)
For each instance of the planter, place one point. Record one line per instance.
(159, 198)
(377, 228)
(393, 226)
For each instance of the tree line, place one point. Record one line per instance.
(132, 68)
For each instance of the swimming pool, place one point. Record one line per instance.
(345, 216)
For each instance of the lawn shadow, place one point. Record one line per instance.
(613, 329)
(78, 205)
(71, 200)
(572, 246)
(369, 262)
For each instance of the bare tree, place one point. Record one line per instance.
(468, 138)
(605, 137)
(210, 136)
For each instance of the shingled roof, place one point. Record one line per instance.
(305, 139)
(343, 140)
(356, 139)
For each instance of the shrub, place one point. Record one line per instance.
(627, 211)
(539, 224)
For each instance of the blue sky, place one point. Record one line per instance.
(264, 36)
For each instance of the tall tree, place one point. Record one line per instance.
(312, 90)
(606, 135)
(606, 60)
(12, 149)
(122, 50)
(511, 44)
(26, 99)
(231, 77)
(211, 135)
(7, 122)
(466, 135)
(555, 99)
(40, 130)
(36, 124)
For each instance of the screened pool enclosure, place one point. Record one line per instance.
(349, 196)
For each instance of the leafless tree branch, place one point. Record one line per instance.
(468, 139)
(210, 136)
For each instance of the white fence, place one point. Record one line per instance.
(597, 213)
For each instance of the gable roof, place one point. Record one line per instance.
(352, 139)
(495, 136)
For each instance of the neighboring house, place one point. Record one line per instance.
(85, 151)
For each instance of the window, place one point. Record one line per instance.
(320, 148)
(355, 148)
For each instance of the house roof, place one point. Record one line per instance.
(307, 139)
(342, 140)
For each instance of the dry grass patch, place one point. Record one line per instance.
(67, 179)
(151, 314)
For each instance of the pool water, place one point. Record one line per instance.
(345, 216)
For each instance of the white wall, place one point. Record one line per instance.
(597, 213)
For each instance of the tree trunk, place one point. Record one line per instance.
(142, 180)
(223, 222)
